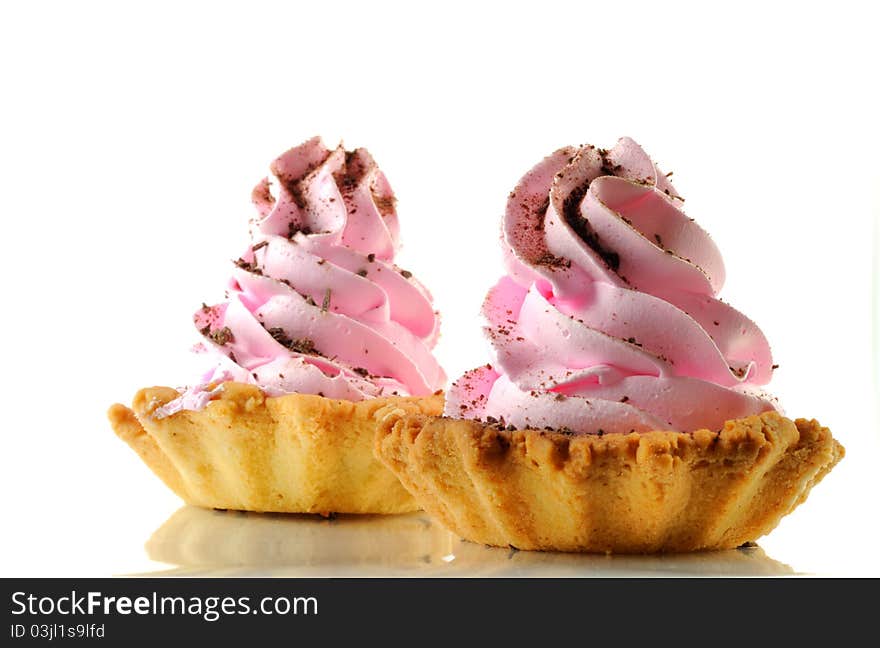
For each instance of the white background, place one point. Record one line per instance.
(130, 139)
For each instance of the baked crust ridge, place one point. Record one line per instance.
(658, 491)
(297, 453)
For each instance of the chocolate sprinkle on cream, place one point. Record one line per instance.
(581, 226)
(248, 266)
(542, 211)
(301, 345)
(551, 261)
(608, 167)
(293, 229)
(294, 187)
(279, 335)
(385, 204)
(406, 274)
(672, 195)
(221, 336)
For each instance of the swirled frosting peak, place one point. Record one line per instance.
(315, 303)
(608, 319)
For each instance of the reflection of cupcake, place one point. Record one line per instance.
(197, 538)
(320, 332)
(481, 561)
(620, 412)
(197, 541)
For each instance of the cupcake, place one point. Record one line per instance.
(622, 410)
(320, 332)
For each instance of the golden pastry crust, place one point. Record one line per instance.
(296, 453)
(616, 493)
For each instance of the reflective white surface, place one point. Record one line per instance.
(199, 542)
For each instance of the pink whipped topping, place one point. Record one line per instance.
(315, 304)
(608, 319)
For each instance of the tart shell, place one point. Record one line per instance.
(651, 492)
(297, 453)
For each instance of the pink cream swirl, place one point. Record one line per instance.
(608, 319)
(315, 304)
